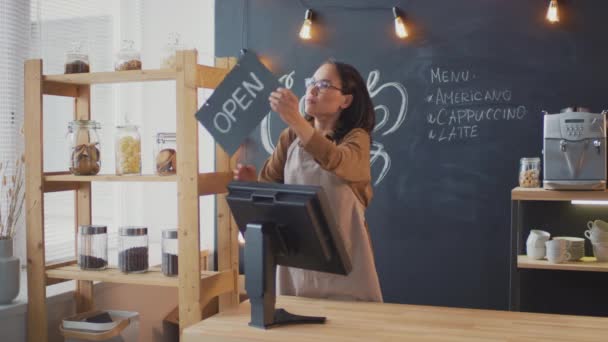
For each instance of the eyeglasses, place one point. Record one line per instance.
(319, 84)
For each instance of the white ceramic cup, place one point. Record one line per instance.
(595, 235)
(536, 253)
(558, 257)
(537, 238)
(556, 245)
(599, 224)
(600, 251)
(557, 251)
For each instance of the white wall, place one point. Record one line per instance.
(194, 21)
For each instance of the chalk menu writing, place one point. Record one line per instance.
(460, 108)
(239, 103)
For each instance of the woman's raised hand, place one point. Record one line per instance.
(286, 103)
(245, 173)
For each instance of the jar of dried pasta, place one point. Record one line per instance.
(128, 150)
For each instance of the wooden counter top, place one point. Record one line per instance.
(359, 321)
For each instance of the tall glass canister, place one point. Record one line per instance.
(128, 150)
(133, 249)
(165, 154)
(92, 247)
(83, 139)
(170, 252)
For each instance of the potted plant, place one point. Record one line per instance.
(10, 212)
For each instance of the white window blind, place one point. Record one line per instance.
(46, 28)
(97, 24)
(14, 41)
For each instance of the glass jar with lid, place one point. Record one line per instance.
(529, 172)
(173, 44)
(127, 58)
(83, 138)
(165, 154)
(133, 249)
(77, 59)
(128, 150)
(170, 252)
(92, 247)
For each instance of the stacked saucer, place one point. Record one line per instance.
(575, 246)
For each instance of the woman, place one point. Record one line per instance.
(328, 147)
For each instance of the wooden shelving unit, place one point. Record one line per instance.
(196, 288)
(587, 264)
(520, 200)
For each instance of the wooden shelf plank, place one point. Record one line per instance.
(209, 183)
(210, 77)
(110, 77)
(154, 276)
(540, 194)
(587, 264)
(213, 182)
(108, 178)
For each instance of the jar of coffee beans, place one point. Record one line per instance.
(133, 249)
(92, 247)
(529, 173)
(170, 252)
(77, 59)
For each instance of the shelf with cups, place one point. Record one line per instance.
(551, 214)
(540, 194)
(588, 264)
(196, 288)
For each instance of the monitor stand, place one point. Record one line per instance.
(263, 241)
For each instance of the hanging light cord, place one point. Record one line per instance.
(305, 4)
(244, 25)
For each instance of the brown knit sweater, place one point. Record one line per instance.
(348, 160)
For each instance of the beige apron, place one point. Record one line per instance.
(362, 283)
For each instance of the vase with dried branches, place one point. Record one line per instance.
(10, 213)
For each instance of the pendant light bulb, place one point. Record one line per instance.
(400, 28)
(552, 12)
(306, 26)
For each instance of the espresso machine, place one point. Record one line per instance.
(574, 150)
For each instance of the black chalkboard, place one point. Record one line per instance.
(457, 105)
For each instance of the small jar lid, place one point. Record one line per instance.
(132, 231)
(170, 234)
(128, 127)
(530, 160)
(92, 229)
(162, 137)
(84, 124)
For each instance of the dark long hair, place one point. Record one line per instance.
(360, 113)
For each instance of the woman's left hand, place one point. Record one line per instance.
(286, 103)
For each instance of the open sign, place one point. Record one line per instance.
(239, 103)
